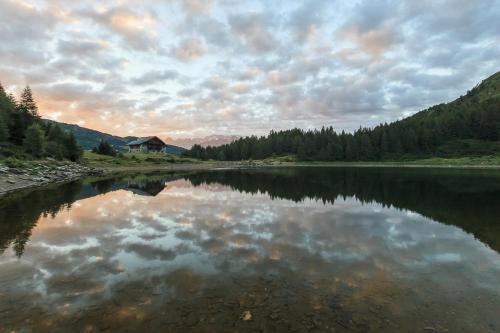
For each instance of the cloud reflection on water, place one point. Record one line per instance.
(124, 248)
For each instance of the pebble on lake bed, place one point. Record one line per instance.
(246, 316)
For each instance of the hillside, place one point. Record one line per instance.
(90, 138)
(467, 126)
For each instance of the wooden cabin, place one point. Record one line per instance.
(147, 144)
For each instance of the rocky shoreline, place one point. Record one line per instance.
(41, 174)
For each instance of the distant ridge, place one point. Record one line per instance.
(211, 140)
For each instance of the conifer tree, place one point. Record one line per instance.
(27, 103)
(34, 142)
(4, 130)
(73, 149)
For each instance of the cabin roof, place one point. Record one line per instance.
(140, 141)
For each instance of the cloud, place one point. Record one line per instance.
(212, 30)
(188, 92)
(136, 29)
(375, 42)
(150, 252)
(196, 68)
(307, 19)
(254, 32)
(198, 6)
(81, 47)
(188, 49)
(153, 77)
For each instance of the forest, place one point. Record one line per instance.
(23, 134)
(467, 126)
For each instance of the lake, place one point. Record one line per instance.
(264, 250)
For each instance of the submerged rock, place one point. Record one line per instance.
(246, 316)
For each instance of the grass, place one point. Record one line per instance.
(153, 161)
(476, 161)
(489, 160)
(132, 160)
(13, 162)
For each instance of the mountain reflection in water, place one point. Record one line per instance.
(300, 249)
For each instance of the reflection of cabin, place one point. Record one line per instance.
(146, 188)
(147, 144)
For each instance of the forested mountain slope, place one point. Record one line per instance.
(90, 138)
(468, 126)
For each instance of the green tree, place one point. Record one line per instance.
(55, 133)
(105, 148)
(34, 141)
(55, 150)
(350, 150)
(385, 145)
(27, 103)
(365, 148)
(73, 150)
(4, 130)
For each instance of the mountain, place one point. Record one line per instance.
(90, 138)
(467, 126)
(212, 140)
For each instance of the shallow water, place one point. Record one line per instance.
(298, 249)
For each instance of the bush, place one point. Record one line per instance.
(105, 148)
(13, 162)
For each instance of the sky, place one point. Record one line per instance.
(192, 68)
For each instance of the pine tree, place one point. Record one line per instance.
(6, 110)
(34, 141)
(365, 148)
(55, 133)
(12, 100)
(350, 150)
(4, 130)
(55, 150)
(385, 146)
(27, 103)
(74, 151)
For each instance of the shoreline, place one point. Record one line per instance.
(41, 175)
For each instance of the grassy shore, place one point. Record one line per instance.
(148, 162)
(459, 162)
(164, 161)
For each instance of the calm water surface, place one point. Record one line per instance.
(288, 250)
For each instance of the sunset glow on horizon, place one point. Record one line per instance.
(192, 68)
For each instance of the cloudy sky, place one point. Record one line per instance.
(190, 68)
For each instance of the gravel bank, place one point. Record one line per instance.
(40, 174)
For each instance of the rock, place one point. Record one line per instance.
(192, 320)
(246, 316)
(274, 316)
(10, 181)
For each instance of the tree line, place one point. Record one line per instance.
(469, 125)
(24, 134)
